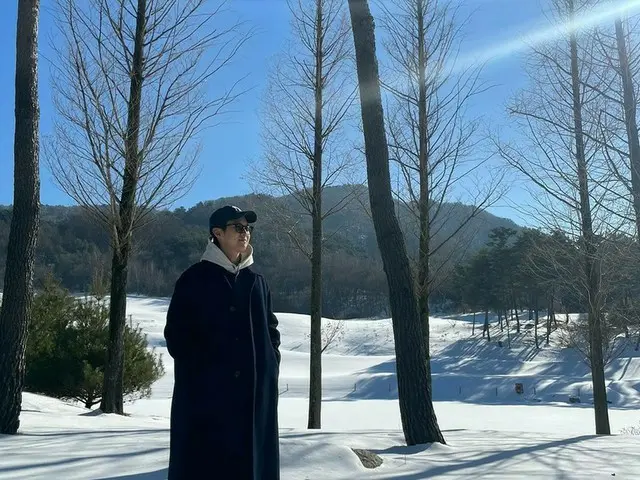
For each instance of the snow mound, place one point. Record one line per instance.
(318, 459)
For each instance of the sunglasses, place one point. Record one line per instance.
(239, 228)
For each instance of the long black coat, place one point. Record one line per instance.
(222, 334)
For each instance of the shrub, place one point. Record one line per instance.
(575, 334)
(631, 430)
(67, 349)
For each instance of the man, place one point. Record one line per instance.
(223, 337)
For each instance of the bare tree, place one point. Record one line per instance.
(618, 259)
(131, 84)
(331, 333)
(18, 280)
(562, 164)
(616, 70)
(614, 79)
(434, 141)
(628, 79)
(309, 99)
(419, 421)
(575, 335)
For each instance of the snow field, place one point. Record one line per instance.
(491, 431)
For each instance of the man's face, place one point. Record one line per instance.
(234, 239)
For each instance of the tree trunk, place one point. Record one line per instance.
(112, 395)
(473, 328)
(549, 317)
(630, 107)
(485, 328)
(552, 311)
(23, 235)
(590, 264)
(419, 422)
(484, 324)
(425, 221)
(535, 328)
(315, 350)
(515, 309)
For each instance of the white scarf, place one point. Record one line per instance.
(213, 254)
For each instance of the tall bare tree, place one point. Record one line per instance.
(18, 280)
(616, 75)
(131, 84)
(613, 78)
(309, 98)
(434, 140)
(563, 164)
(629, 95)
(419, 421)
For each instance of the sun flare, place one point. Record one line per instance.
(585, 20)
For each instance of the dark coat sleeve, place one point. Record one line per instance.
(179, 330)
(274, 333)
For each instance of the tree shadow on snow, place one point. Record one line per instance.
(488, 390)
(460, 373)
(155, 475)
(476, 350)
(292, 433)
(535, 452)
(79, 460)
(102, 433)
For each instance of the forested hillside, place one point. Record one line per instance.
(75, 249)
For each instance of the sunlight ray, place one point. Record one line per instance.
(599, 15)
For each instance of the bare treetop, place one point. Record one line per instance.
(435, 140)
(544, 154)
(185, 46)
(288, 111)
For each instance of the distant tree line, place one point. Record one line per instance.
(531, 271)
(75, 250)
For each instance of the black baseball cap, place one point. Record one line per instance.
(222, 216)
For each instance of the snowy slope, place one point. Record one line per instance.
(491, 431)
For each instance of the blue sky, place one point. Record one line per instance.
(228, 148)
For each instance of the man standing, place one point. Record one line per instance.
(223, 337)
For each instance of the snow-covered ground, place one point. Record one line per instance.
(491, 431)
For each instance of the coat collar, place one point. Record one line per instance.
(214, 255)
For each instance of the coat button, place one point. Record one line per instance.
(237, 374)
